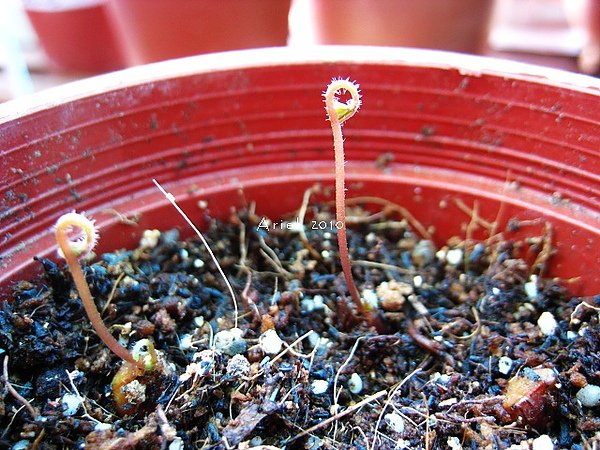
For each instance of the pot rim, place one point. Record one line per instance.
(37, 119)
(472, 65)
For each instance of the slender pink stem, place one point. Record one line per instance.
(64, 224)
(339, 112)
(22, 400)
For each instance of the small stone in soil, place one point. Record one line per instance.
(589, 395)
(230, 342)
(547, 323)
(270, 342)
(454, 256)
(504, 365)
(238, 366)
(395, 422)
(543, 442)
(355, 383)
(319, 387)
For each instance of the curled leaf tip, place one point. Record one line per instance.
(342, 110)
(81, 233)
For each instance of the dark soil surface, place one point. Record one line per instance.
(462, 347)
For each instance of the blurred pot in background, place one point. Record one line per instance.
(155, 30)
(76, 35)
(586, 15)
(457, 25)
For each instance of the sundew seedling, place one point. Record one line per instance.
(338, 112)
(76, 236)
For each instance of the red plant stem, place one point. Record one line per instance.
(62, 238)
(340, 175)
(9, 387)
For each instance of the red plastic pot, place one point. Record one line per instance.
(156, 30)
(76, 34)
(457, 25)
(520, 141)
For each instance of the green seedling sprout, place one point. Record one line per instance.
(338, 112)
(76, 236)
(144, 352)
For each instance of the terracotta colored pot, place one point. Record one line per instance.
(155, 30)
(520, 141)
(76, 34)
(586, 15)
(457, 25)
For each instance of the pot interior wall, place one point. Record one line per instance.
(427, 137)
